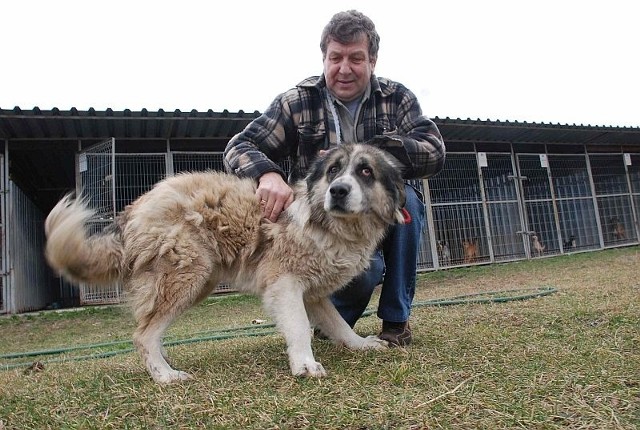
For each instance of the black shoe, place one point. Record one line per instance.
(396, 334)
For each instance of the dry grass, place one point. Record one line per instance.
(567, 360)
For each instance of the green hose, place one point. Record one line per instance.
(262, 329)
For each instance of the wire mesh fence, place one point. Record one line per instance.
(481, 208)
(4, 286)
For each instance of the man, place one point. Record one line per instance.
(348, 103)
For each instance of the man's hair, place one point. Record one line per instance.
(348, 27)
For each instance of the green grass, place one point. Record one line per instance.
(566, 360)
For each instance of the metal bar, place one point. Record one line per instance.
(633, 205)
(594, 197)
(6, 284)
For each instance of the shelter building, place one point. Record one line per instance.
(509, 190)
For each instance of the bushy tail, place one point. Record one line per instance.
(76, 255)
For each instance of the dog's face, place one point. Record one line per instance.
(356, 179)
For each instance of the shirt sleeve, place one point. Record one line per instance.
(415, 141)
(265, 141)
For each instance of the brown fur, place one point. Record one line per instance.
(538, 247)
(618, 229)
(174, 244)
(470, 250)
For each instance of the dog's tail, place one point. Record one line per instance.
(73, 252)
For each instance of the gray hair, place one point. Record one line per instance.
(348, 27)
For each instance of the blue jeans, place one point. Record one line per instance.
(394, 264)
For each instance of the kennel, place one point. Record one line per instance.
(575, 188)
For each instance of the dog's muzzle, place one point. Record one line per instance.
(338, 197)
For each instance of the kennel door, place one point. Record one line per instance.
(501, 194)
(4, 272)
(95, 181)
(95, 178)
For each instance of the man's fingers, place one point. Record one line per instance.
(276, 210)
(288, 202)
(271, 208)
(274, 195)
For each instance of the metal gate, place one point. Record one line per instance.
(540, 209)
(111, 180)
(475, 212)
(611, 185)
(95, 180)
(505, 236)
(4, 285)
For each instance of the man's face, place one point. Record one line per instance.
(348, 68)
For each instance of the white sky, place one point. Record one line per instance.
(558, 61)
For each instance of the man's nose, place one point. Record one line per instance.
(345, 67)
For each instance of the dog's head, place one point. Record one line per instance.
(356, 179)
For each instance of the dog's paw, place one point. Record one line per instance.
(172, 377)
(369, 342)
(374, 342)
(311, 369)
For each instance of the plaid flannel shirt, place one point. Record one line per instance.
(299, 123)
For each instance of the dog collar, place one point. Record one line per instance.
(406, 216)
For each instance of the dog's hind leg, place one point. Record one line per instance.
(176, 292)
(148, 342)
(283, 300)
(326, 317)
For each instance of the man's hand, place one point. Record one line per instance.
(274, 195)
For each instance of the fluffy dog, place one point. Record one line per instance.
(174, 244)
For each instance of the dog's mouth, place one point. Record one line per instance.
(340, 208)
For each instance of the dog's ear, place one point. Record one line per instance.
(316, 170)
(402, 215)
(395, 184)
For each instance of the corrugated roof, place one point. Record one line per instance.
(43, 143)
(469, 130)
(55, 124)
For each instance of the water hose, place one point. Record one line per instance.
(258, 330)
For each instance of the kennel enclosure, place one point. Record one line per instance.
(508, 191)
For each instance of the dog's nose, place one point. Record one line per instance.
(339, 191)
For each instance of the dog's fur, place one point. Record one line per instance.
(470, 250)
(444, 255)
(174, 244)
(617, 229)
(571, 243)
(538, 247)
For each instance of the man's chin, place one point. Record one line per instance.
(344, 94)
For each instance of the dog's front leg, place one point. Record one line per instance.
(284, 302)
(327, 318)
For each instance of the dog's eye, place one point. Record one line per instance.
(366, 172)
(333, 171)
